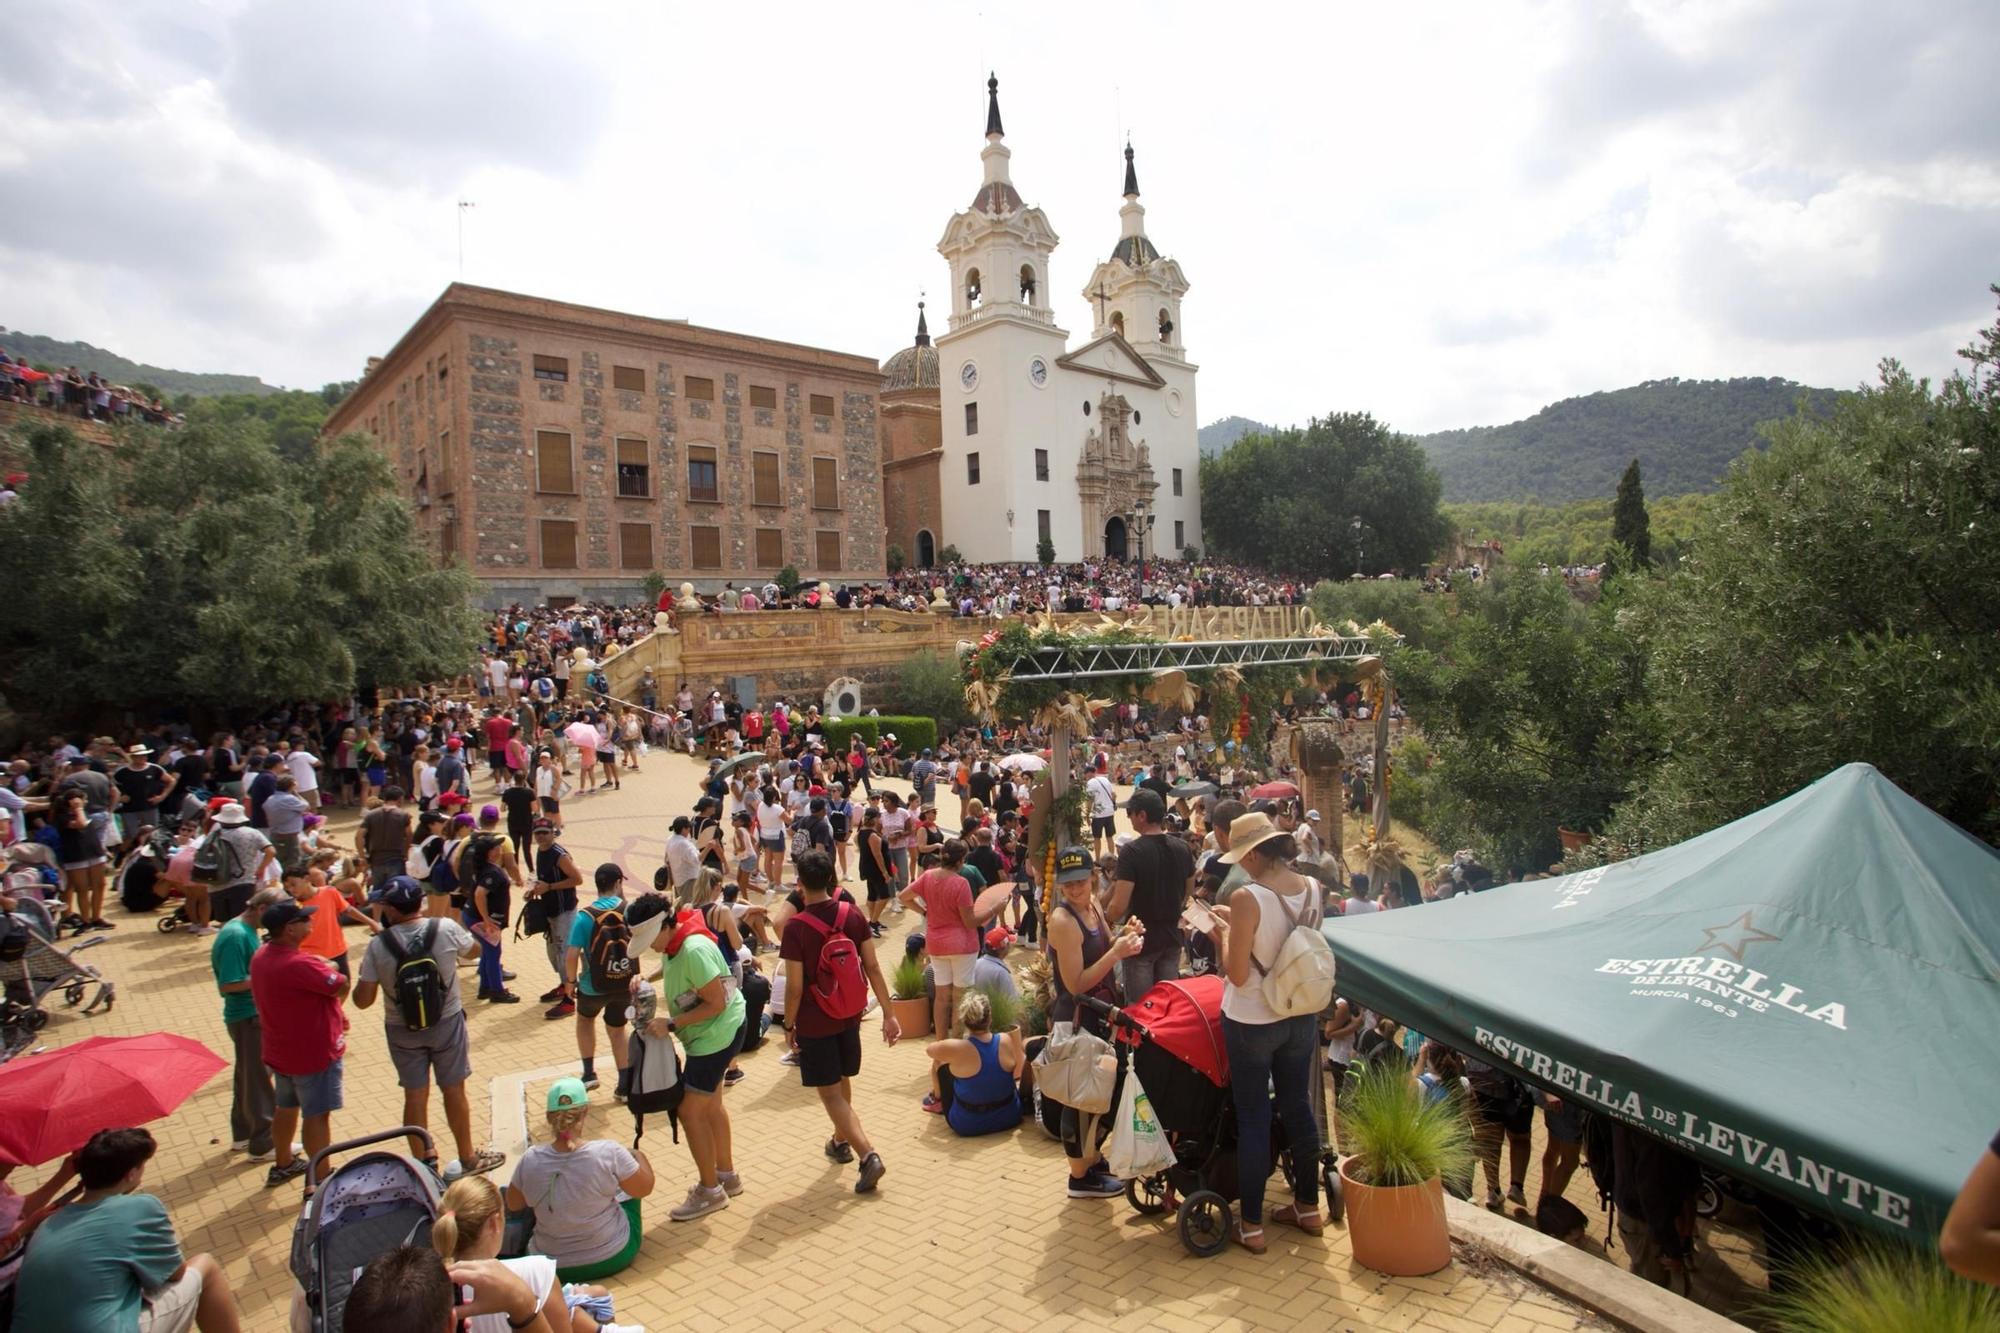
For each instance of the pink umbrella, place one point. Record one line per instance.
(50, 1104)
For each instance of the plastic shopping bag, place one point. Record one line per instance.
(1138, 1144)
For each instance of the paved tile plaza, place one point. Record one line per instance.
(964, 1232)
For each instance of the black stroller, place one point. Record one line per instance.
(1172, 1037)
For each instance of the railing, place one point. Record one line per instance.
(996, 309)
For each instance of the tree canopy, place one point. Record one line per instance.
(1291, 500)
(1630, 526)
(201, 567)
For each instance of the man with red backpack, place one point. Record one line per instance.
(830, 967)
(598, 968)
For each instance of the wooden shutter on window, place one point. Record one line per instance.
(554, 470)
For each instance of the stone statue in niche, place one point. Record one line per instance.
(1143, 463)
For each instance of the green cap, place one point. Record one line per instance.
(567, 1094)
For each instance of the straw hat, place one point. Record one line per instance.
(1246, 832)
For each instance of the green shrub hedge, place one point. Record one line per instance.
(912, 733)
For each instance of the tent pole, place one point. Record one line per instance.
(1382, 762)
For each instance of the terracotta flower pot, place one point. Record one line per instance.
(913, 1016)
(1396, 1229)
(1573, 839)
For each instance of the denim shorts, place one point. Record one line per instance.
(309, 1094)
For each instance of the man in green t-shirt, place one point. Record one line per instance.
(229, 957)
(703, 1006)
(109, 1263)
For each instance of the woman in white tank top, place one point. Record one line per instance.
(1267, 1053)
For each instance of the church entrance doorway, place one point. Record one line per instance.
(926, 549)
(1114, 539)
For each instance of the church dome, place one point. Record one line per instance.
(911, 368)
(916, 366)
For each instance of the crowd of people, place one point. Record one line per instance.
(1000, 589)
(78, 393)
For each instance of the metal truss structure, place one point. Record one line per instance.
(1145, 658)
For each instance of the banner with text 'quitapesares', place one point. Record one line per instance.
(1807, 997)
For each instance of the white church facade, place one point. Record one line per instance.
(1092, 447)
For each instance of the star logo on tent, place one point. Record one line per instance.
(1733, 938)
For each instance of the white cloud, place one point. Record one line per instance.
(1444, 217)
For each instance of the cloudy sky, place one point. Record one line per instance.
(1447, 214)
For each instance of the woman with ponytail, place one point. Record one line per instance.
(470, 1226)
(585, 1192)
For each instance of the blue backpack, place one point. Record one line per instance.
(444, 874)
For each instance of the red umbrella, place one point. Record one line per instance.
(50, 1104)
(1273, 791)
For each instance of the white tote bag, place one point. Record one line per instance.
(1138, 1144)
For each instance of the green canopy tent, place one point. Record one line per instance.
(1807, 998)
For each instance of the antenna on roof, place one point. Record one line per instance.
(463, 204)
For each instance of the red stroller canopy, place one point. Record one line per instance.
(1184, 1019)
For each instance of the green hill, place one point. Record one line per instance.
(1683, 432)
(1219, 435)
(53, 354)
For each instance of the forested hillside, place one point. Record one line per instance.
(1683, 432)
(54, 354)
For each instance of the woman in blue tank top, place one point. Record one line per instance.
(978, 1076)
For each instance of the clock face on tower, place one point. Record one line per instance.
(968, 375)
(1038, 372)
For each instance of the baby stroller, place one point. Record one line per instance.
(31, 965)
(1172, 1038)
(367, 1207)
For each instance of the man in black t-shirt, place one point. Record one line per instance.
(980, 784)
(1154, 878)
(519, 802)
(1156, 781)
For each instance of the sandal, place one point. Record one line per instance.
(1308, 1220)
(1250, 1238)
(486, 1159)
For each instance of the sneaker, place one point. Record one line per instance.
(700, 1202)
(732, 1078)
(1095, 1184)
(501, 997)
(562, 1008)
(238, 1145)
(872, 1170)
(505, 975)
(732, 1184)
(876, 929)
(933, 1105)
(292, 1170)
(1514, 1195)
(589, 1081)
(839, 1151)
(789, 1058)
(548, 996)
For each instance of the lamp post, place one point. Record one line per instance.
(1358, 527)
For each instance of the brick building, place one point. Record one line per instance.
(913, 449)
(564, 451)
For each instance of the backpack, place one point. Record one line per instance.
(838, 986)
(423, 855)
(444, 869)
(1300, 979)
(801, 839)
(611, 967)
(215, 861)
(419, 981)
(656, 1087)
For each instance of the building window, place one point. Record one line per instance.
(826, 483)
(701, 474)
(1180, 536)
(822, 404)
(558, 543)
(630, 378)
(448, 540)
(1041, 465)
(768, 548)
(972, 418)
(705, 547)
(552, 368)
(700, 390)
(1177, 481)
(826, 550)
(635, 469)
(635, 545)
(972, 469)
(444, 371)
(1042, 531)
(763, 395)
(764, 482)
(444, 463)
(555, 469)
